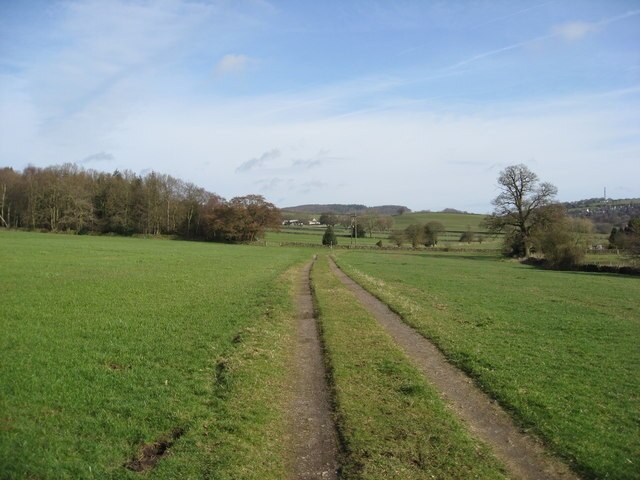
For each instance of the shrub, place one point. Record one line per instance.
(432, 231)
(467, 236)
(564, 243)
(397, 237)
(329, 237)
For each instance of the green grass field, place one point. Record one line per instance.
(392, 421)
(558, 349)
(111, 343)
(108, 344)
(313, 236)
(453, 222)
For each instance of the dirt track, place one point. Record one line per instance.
(313, 432)
(524, 456)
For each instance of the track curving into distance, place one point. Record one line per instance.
(524, 456)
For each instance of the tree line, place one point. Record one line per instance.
(70, 198)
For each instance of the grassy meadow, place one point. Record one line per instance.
(453, 222)
(558, 349)
(108, 344)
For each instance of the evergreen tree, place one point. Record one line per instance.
(329, 237)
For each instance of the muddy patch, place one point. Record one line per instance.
(151, 453)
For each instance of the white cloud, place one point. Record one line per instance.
(258, 162)
(573, 31)
(232, 64)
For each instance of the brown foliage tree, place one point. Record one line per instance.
(242, 219)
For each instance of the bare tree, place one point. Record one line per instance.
(518, 206)
(397, 237)
(414, 234)
(384, 223)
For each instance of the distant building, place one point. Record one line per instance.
(313, 221)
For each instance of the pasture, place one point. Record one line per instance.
(110, 344)
(558, 349)
(113, 345)
(453, 222)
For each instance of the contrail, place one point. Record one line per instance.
(605, 21)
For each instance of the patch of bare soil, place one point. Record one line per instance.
(117, 366)
(313, 433)
(149, 454)
(524, 456)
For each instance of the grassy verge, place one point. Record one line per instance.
(248, 438)
(107, 344)
(558, 349)
(392, 422)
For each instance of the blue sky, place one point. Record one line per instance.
(406, 102)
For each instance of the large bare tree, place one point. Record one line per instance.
(519, 206)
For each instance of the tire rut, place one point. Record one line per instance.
(314, 436)
(524, 456)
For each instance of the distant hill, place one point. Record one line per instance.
(343, 209)
(606, 212)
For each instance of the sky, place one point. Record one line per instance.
(416, 103)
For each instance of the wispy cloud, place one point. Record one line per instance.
(573, 31)
(377, 86)
(98, 157)
(260, 161)
(270, 184)
(233, 64)
(322, 157)
(106, 45)
(307, 164)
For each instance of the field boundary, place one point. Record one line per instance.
(587, 267)
(523, 454)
